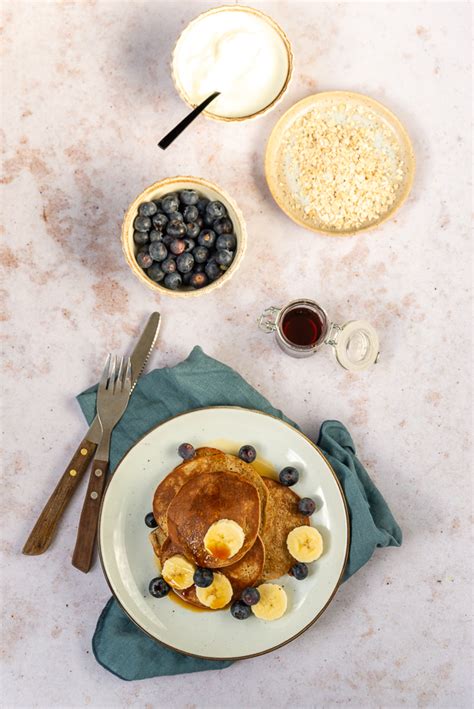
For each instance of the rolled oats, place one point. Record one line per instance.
(346, 165)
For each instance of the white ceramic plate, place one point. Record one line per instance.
(128, 560)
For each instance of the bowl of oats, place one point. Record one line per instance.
(339, 163)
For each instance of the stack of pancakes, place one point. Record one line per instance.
(213, 486)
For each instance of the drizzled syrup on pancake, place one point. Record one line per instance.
(189, 606)
(262, 466)
(220, 551)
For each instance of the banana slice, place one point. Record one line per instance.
(218, 594)
(273, 602)
(178, 572)
(224, 539)
(305, 543)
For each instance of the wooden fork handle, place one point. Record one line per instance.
(44, 530)
(87, 530)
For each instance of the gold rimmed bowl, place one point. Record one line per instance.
(212, 112)
(205, 189)
(287, 180)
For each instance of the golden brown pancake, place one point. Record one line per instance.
(281, 517)
(243, 573)
(206, 460)
(248, 570)
(206, 499)
(157, 538)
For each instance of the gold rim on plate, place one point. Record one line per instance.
(344, 564)
(274, 158)
(235, 8)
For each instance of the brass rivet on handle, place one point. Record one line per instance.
(83, 451)
(94, 495)
(98, 472)
(73, 473)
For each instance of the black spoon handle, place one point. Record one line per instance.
(177, 130)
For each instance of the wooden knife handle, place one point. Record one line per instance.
(87, 530)
(44, 530)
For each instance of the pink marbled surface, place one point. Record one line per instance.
(88, 93)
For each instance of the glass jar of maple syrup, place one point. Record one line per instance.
(303, 326)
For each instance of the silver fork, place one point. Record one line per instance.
(112, 398)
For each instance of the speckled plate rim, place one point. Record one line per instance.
(150, 193)
(274, 142)
(243, 8)
(343, 565)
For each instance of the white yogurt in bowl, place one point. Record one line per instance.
(238, 51)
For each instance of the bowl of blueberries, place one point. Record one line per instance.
(183, 236)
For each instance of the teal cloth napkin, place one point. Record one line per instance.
(200, 381)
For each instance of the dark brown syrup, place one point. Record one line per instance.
(302, 326)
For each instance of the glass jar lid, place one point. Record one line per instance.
(356, 344)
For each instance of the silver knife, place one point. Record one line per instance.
(44, 530)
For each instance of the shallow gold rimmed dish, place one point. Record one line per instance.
(210, 113)
(129, 563)
(284, 179)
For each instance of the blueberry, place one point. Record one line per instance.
(203, 577)
(168, 265)
(173, 281)
(223, 225)
(155, 272)
(160, 220)
(189, 197)
(207, 238)
(193, 229)
(208, 220)
(176, 215)
(142, 223)
(306, 506)
(202, 203)
(213, 270)
(198, 280)
(189, 244)
(167, 239)
(240, 610)
(250, 596)
(170, 203)
(147, 209)
(215, 210)
(158, 204)
(199, 268)
(158, 587)
(177, 246)
(190, 213)
(187, 278)
(150, 521)
(158, 251)
(226, 241)
(155, 235)
(144, 259)
(185, 263)
(140, 237)
(186, 451)
(200, 254)
(176, 228)
(247, 454)
(299, 571)
(200, 222)
(224, 257)
(288, 476)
